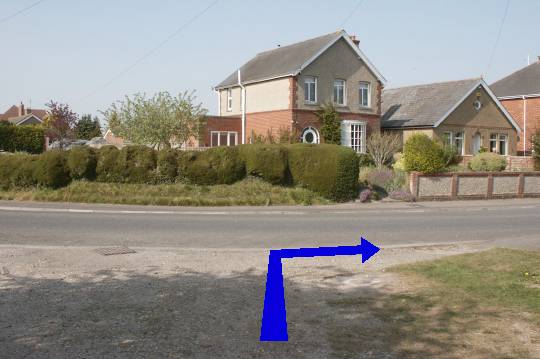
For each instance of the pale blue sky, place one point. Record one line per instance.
(67, 49)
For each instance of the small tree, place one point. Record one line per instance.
(422, 154)
(330, 124)
(60, 122)
(160, 121)
(381, 146)
(87, 128)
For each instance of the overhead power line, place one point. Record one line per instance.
(152, 50)
(492, 56)
(351, 14)
(9, 17)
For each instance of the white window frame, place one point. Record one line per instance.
(219, 138)
(364, 85)
(314, 132)
(452, 137)
(229, 100)
(498, 138)
(344, 84)
(310, 80)
(493, 137)
(354, 139)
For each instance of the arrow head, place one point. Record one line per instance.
(368, 249)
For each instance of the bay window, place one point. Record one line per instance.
(353, 135)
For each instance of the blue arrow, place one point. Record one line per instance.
(274, 319)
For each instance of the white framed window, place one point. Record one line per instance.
(310, 135)
(454, 139)
(310, 89)
(353, 135)
(229, 99)
(223, 138)
(498, 143)
(339, 92)
(365, 94)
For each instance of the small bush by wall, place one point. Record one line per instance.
(330, 170)
(29, 139)
(487, 161)
(136, 164)
(106, 169)
(82, 162)
(422, 154)
(268, 162)
(51, 170)
(220, 165)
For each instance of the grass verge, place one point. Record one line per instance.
(479, 305)
(250, 191)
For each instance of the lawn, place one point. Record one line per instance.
(250, 191)
(480, 305)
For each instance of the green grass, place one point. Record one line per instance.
(505, 277)
(250, 191)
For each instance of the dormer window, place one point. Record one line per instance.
(339, 92)
(229, 99)
(310, 89)
(365, 94)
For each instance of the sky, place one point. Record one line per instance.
(90, 54)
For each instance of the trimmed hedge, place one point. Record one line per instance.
(29, 139)
(268, 162)
(330, 170)
(487, 162)
(422, 154)
(82, 162)
(106, 170)
(136, 164)
(167, 165)
(219, 165)
(51, 170)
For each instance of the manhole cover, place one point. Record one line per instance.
(112, 251)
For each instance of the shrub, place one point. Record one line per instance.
(51, 170)
(365, 160)
(384, 179)
(365, 195)
(330, 170)
(380, 177)
(167, 165)
(330, 124)
(450, 155)
(82, 162)
(221, 165)
(422, 154)
(17, 170)
(487, 161)
(381, 146)
(399, 162)
(106, 169)
(29, 139)
(536, 150)
(268, 162)
(136, 164)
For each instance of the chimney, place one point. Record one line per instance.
(21, 109)
(355, 40)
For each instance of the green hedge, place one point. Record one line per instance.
(220, 165)
(82, 162)
(17, 170)
(29, 139)
(487, 161)
(167, 165)
(136, 164)
(330, 170)
(268, 162)
(51, 169)
(106, 169)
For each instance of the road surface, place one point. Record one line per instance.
(387, 224)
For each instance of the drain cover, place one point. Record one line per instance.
(112, 251)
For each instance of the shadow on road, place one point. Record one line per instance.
(196, 315)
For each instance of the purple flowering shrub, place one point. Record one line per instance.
(365, 195)
(401, 195)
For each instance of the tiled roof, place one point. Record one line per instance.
(422, 105)
(522, 82)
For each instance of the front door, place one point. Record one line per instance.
(477, 143)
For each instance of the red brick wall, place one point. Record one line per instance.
(515, 107)
(261, 123)
(217, 123)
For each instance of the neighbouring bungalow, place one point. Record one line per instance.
(278, 91)
(465, 114)
(19, 115)
(519, 93)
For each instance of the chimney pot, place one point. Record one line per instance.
(355, 40)
(21, 109)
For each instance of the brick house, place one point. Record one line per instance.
(19, 115)
(465, 114)
(279, 91)
(519, 93)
